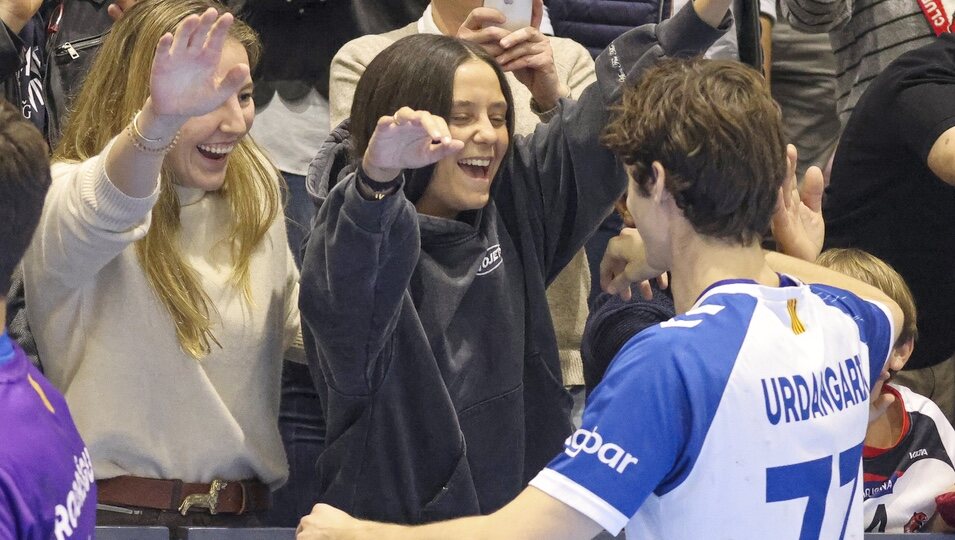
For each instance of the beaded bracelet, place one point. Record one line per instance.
(142, 143)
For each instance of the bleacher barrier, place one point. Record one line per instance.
(207, 533)
(129, 533)
(885, 536)
(193, 533)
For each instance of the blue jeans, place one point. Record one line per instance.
(299, 211)
(301, 421)
(302, 426)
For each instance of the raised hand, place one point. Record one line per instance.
(481, 28)
(183, 82)
(407, 140)
(327, 523)
(528, 54)
(525, 52)
(798, 225)
(625, 263)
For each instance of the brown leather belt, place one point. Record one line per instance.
(220, 496)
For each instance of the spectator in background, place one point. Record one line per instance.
(15, 16)
(595, 23)
(22, 34)
(804, 85)
(567, 294)
(909, 452)
(892, 194)
(44, 465)
(866, 36)
(160, 285)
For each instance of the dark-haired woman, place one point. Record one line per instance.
(423, 281)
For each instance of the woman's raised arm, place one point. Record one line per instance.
(183, 84)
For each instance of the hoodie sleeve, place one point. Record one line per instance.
(561, 177)
(356, 270)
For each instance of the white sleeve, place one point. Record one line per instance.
(86, 222)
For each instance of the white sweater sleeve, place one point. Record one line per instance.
(86, 222)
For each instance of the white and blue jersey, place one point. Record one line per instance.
(741, 419)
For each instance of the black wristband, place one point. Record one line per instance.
(379, 190)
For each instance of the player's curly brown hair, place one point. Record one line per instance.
(716, 130)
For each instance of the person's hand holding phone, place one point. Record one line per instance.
(526, 52)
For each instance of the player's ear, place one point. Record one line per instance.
(901, 354)
(658, 181)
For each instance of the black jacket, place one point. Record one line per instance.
(595, 23)
(431, 339)
(613, 322)
(300, 37)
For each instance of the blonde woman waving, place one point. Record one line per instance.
(160, 284)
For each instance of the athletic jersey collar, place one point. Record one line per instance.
(784, 282)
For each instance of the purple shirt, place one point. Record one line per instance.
(47, 491)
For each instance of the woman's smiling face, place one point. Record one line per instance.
(478, 118)
(205, 142)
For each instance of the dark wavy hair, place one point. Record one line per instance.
(716, 130)
(418, 72)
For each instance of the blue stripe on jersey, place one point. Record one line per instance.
(645, 423)
(875, 327)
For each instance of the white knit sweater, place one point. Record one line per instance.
(142, 405)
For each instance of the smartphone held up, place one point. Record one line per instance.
(517, 12)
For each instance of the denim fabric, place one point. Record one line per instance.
(302, 426)
(301, 422)
(298, 214)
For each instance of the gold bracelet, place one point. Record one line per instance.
(143, 143)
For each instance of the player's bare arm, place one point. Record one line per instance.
(941, 158)
(533, 514)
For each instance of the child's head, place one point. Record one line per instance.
(870, 269)
(24, 180)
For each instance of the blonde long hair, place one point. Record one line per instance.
(115, 88)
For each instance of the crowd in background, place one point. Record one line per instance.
(246, 319)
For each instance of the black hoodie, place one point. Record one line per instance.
(430, 339)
